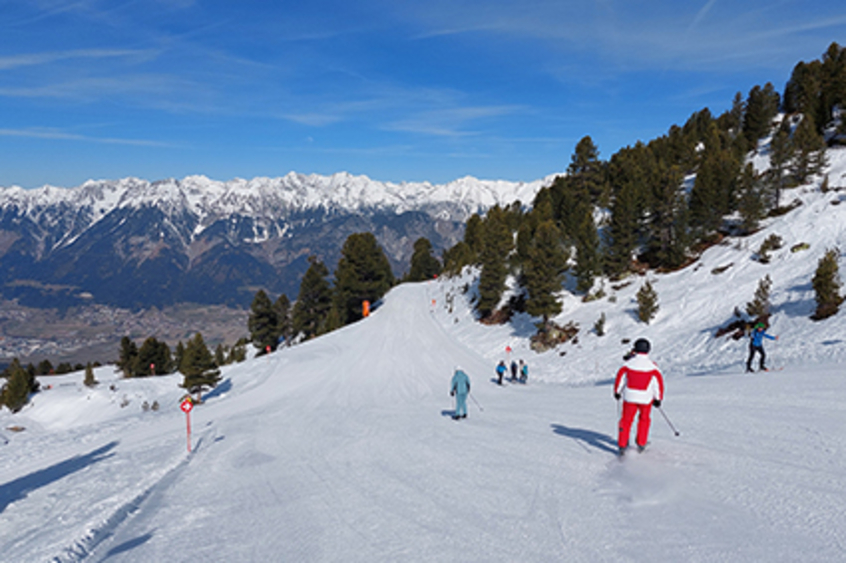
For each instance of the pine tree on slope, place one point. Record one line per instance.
(313, 301)
(759, 307)
(543, 272)
(826, 283)
(198, 367)
(282, 308)
(497, 244)
(263, 323)
(424, 266)
(363, 273)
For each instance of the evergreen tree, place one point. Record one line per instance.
(826, 283)
(44, 368)
(238, 353)
(781, 151)
(424, 266)
(750, 202)
(127, 360)
(803, 90)
(179, 353)
(543, 272)
(152, 359)
(760, 305)
(198, 367)
(15, 392)
(735, 115)
(588, 262)
(833, 83)
(90, 380)
(263, 323)
(761, 108)
(589, 172)
(220, 355)
(647, 303)
(332, 321)
(457, 257)
(623, 229)
(363, 273)
(473, 235)
(667, 223)
(714, 190)
(313, 301)
(629, 176)
(282, 308)
(809, 151)
(497, 243)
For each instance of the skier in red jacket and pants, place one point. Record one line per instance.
(641, 386)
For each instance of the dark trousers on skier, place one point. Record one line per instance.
(752, 350)
(629, 412)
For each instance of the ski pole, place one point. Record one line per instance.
(673, 428)
(477, 402)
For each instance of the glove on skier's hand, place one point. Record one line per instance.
(452, 393)
(617, 396)
(656, 403)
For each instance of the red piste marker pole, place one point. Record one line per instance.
(186, 407)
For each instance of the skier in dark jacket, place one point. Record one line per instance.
(513, 370)
(460, 388)
(756, 344)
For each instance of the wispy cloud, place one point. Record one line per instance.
(448, 122)
(59, 135)
(37, 59)
(702, 14)
(662, 34)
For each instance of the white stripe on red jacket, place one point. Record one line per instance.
(639, 381)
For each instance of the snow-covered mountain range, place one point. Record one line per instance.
(133, 242)
(262, 197)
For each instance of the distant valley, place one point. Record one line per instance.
(111, 258)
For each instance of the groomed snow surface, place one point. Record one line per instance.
(343, 449)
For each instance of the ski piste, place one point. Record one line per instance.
(330, 451)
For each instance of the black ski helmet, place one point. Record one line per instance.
(641, 346)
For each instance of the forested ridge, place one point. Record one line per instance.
(657, 205)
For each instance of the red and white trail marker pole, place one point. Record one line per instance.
(186, 407)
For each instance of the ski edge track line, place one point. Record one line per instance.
(85, 547)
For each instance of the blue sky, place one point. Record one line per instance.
(393, 89)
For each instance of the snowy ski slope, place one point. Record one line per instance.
(342, 449)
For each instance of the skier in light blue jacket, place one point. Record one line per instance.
(460, 388)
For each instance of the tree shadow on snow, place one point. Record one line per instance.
(18, 489)
(597, 440)
(128, 545)
(225, 386)
(803, 305)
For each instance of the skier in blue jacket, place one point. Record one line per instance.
(756, 344)
(460, 388)
(500, 371)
